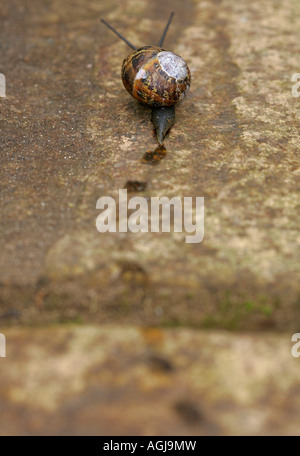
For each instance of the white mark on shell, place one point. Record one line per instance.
(173, 65)
(141, 74)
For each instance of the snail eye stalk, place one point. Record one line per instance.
(118, 34)
(161, 41)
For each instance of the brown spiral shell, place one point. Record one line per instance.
(155, 76)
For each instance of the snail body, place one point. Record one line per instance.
(157, 78)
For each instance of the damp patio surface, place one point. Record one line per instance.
(191, 338)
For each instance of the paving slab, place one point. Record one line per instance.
(89, 380)
(70, 134)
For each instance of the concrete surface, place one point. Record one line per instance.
(70, 134)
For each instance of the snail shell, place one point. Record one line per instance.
(155, 76)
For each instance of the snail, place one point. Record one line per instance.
(157, 78)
